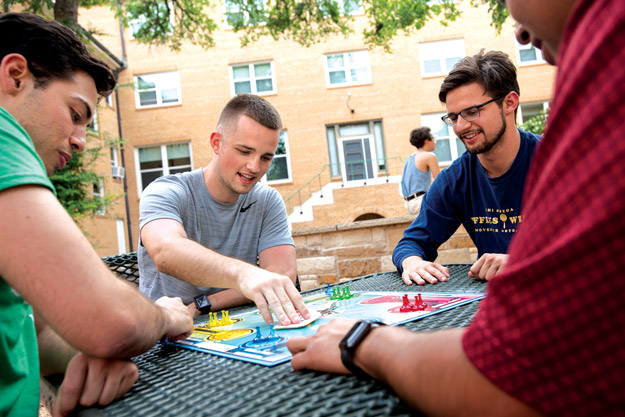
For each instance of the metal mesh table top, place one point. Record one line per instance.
(125, 266)
(180, 382)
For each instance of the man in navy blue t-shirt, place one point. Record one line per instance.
(482, 189)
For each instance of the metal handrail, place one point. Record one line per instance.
(393, 161)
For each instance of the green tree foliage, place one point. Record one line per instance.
(75, 184)
(536, 124)
(171, 22)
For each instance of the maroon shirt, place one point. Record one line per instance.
(552, 330)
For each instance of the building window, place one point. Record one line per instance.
(257, 78)
(114, 157)
(438, 58)
(121, 236)
(529, 54)
(160, 89)
(448, 146)
(349, 68)
(98, 192)
(109, 99)
(157, 161)
(135, 26)
(280, 169)
(235, 15)
(350, 6)
(356, 150)
(529, 110)
(93, 126)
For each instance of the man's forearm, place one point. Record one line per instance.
(227, 299)
(193, 263)
(431, 372)
(54, 352)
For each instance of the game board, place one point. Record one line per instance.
(248, 338)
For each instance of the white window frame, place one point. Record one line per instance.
(121, 236)
(539, 54)
(252, 79)
(287, 155)
(545, 106)
(165, 167)
(134, 25)
(99, 192)
(158, 79)
(109, 99)
(434, 122)
(440, 51)
(114, 155)
(93, 126)
(347, 68)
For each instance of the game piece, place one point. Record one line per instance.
(272, 335)
(406, 306)
(258, 337)
(419, 303)
(328, 290)
(341, 293)
(247, 337)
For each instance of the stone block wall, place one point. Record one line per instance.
(345, 251)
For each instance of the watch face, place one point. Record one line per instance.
(357, 332)
(202, 304)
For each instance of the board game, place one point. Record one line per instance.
(247, 337)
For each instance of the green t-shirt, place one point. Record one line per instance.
(19, 358)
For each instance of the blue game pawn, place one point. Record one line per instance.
(272, 335)
(258, 338)
(328, 290)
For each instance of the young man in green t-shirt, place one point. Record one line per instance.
(61, 310)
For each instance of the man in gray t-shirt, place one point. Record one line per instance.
(206, 230)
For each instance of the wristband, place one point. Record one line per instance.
(350, 343)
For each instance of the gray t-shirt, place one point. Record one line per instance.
(243, 229)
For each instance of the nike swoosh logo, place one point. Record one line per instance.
(244, 209)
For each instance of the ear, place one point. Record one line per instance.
(14, 74)
(510, 103)
(215, 141)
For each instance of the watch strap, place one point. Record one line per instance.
(348, 346)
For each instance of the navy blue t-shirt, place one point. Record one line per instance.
(489, 208)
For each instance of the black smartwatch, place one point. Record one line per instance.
(203, 304)
(350, 343)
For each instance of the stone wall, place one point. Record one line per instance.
(350, 250)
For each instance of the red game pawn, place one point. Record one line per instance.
(406, 307)
(419, 303)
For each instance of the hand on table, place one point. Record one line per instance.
(420, 271)
(321, 352)
(179, 317)
(489, 265)
(90, 381)
(273, 291)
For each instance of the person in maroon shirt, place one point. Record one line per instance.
(548, 338)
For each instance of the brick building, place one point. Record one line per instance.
(347, 110)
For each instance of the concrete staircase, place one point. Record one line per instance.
(305, 213)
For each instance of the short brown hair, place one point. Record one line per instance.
(252, 106)
(419, 135)
(493, 70)
(53, 51)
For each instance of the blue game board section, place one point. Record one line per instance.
(250, 339)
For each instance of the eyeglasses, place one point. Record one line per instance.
(469, 114)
